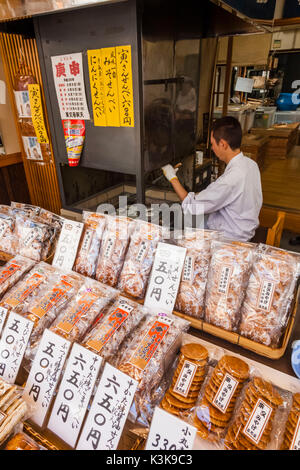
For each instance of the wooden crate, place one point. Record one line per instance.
(281, 139)
(246, 343)
(254, 146)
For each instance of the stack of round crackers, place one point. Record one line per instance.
(292, 426)
(236, 439)
(209, 417)
(176, 402)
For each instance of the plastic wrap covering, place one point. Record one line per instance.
(147, 355)
(89, 247)
(139, 259)
(291, 437)
(254, 423)
(91, 299)
(34, 237)
(227, 282)
(190, 297)
(269, 295)
(12, 272)
(13, 409)
(113, 249)
(187, 380)
(28, 289)
(108, 333)
(43, 311)
(221, 390)
(22, 441)
(8, 238)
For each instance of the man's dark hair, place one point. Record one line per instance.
(229, 129)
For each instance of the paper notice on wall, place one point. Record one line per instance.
(69, 85)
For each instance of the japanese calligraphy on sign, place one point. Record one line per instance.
(3, 315)
(165, 277)
(97, 86)
(106, 419)
(266, 295)
(125, 90)
(13, 343)
(74, 394)
(258, 420)
(225, 392)
(37, 113)
(185, 378)
(45, 373)
(224, 279)
(67, 245)
(169, 433)
(109, 63)
(69, 85)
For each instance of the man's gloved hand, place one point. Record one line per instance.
(169, 172)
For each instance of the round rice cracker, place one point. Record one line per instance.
(293, 417)
(232, 440)
(264, 439)
(167, 407)
(234, 366)
(192, 396)
(266, 389)
(194, 351)
(178, 403)
(296, 400)
(211, 414)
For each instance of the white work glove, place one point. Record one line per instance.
(169, 172)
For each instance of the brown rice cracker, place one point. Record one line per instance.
(194, 351)
(234, 366)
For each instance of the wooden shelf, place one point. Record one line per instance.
(11, 159)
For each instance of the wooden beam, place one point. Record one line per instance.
(11, 159)
(228, 76)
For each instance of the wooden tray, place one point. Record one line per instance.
(246, 343)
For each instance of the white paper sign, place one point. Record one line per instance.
(258, 420)
(3, 315)
(13, 344)
(69, 85)
(32, 148)
(109, 410)
(165, 277)
(67, 245)
(45, 373)
(22, 103)
(169, 433)
(295, 445)
(74, 394)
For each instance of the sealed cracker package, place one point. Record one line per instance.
(269, 296)
(34, 237)
(8, 238)
(111, 329)
(89, 246)
(190, 297)
(218, 398)
(146, 357)
(291, 436)
(24, 292)
(259, 417)
(13, 409)
(139, 259)
(113, 249)
(86, 305)
(43, 311)
(13, 271)
(228, 277)
(187, 380)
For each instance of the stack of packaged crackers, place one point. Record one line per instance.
(187, 380)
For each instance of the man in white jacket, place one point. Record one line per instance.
(234, 200)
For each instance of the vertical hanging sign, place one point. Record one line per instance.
(108, 59)
(37, 113)
(97, 86)
(125, 89)
(69, 85)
